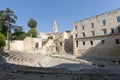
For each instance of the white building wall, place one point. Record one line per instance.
(29, 43)
(17, 45)
(111, 22)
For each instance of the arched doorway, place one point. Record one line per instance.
(36, 45)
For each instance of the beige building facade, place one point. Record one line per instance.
(54, 43)
(97, 34)
(46, 43)
(63, 42)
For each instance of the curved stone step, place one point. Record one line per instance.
(25, 59)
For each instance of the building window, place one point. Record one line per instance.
(93, 33)
(37, 45)
(83, 27)
(118, 28)
(83, 43)
(117, 41)
(76, 35)
(75, 27)
(103, 42)
(83, 34)
(104, 22)
(112, 30)
(76, 43)
(118, 19)
(61, 44)
(104, 31)
(91, 42)
(92, 25)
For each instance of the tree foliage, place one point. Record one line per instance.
(32, 23)
(7, 19)
(32, 32)
(18, 35)
(2, 40)
(18, 28)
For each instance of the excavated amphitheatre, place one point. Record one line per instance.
(97, 65)
(54, 66)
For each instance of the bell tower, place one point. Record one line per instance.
(55, 29)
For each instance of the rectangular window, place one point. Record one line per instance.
(92, 25)
(61, 44)
(104, 31)
(118, 19)
(76, 43)
(104, 22)
(112, 30)
(83, 27)
(93, 33)
(102, 42)
(76, 35)
(75, 27)
(91, 42)
(83, 43)
(83, 34)
(118, 29)
(117, 41)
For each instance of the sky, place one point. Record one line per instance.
(64, 12)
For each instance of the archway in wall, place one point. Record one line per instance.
(36, 45)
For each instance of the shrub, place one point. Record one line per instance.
(18, 36)
(2, 41)
(32, 32)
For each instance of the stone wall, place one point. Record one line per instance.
(101, 42)
(110, 22)
(17, 45)
(64, 42)
(48, 48)
(58, 42)
(108, 48)
(30, 44)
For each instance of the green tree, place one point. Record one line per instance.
(2, 41)
(18, 28)
(18, 34)
(32, 23)
(32, 32)
(7, 19)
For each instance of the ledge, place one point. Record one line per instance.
(100, 36)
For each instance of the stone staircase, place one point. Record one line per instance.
(59, 61)
(21, 59)
(65, 64)
(37, 60)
